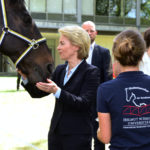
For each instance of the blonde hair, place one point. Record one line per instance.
(128, 48)
(78, 37)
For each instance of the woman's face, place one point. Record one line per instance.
(66, 50)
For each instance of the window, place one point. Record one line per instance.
(116, 11)
(54, 6)
(87, 7)
(102, 7)
(130, 8)
(69, 7)
(145, 9)
(130, 12)
(115, 8)
(145, 12)
(37, 5)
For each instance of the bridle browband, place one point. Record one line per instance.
(33, 44)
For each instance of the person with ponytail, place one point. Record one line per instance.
(123, 104)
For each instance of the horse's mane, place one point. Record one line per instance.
(16, 2)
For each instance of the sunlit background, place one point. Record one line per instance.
(24, 122)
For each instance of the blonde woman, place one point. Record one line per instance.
(74, 85)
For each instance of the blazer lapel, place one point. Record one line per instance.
(62, 76)
(94, 55)
(80, 68)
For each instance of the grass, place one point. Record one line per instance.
(24, 121)
(10, 91)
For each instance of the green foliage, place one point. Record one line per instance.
(102, 7)
(115, 7)
(145, 9)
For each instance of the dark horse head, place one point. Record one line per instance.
(21, 40)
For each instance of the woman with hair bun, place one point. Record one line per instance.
(123, 104)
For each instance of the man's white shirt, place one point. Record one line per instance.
(89, 59)
(145, 64)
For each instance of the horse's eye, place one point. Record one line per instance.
(27, 19)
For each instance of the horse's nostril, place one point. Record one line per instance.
(50, 68)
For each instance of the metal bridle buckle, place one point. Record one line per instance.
(34, 44)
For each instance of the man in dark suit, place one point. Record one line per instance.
(100, 57)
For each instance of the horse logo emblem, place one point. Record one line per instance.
(139, 98)
(137, 95)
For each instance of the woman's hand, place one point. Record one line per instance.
(104, 130)
(49, 87)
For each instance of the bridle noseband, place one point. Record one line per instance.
(33, 44)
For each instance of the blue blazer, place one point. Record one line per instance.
(73, 110)
(102, 59)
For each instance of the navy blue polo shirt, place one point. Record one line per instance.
(127, 99)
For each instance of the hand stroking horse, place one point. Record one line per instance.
(21, 40)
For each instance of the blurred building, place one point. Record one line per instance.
(110, 16)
